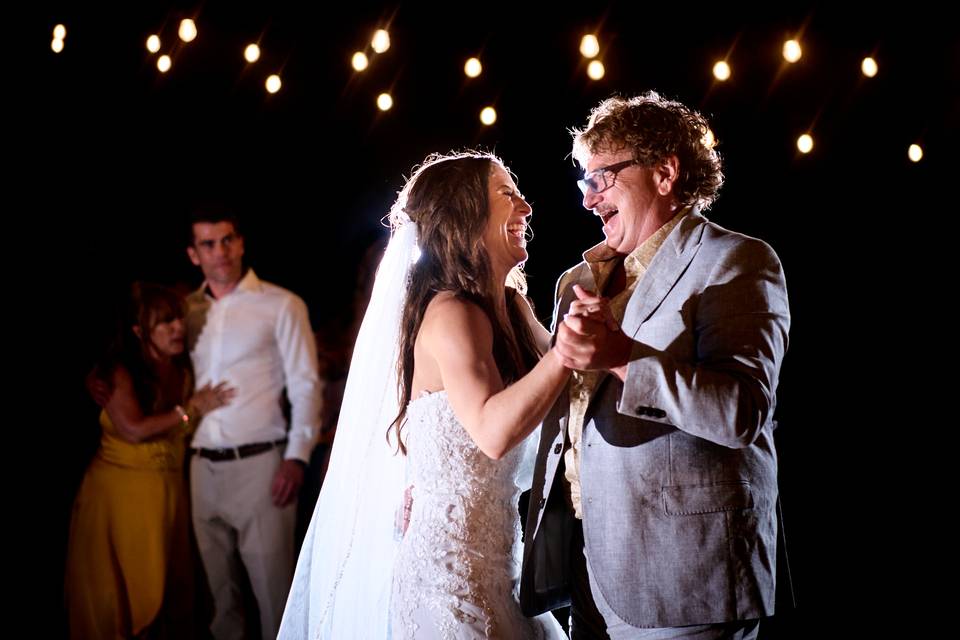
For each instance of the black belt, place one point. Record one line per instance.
(235, 453)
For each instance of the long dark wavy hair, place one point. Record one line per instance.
(447, 198)
(148, 305)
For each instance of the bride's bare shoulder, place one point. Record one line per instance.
(451, 318)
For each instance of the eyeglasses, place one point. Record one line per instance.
(599, 180)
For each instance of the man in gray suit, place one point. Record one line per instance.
(653, 505)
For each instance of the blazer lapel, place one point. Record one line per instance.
(664, 271)
(582, 276)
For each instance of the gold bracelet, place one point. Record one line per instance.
(184, 416)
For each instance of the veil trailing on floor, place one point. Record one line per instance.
(343, 580)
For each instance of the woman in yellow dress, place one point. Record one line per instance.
(128, 570)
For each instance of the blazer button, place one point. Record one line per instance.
(543, 502)
(557, 448)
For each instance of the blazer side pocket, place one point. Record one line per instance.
(686, 500)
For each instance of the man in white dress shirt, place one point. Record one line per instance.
(247, 467)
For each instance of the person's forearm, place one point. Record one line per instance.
(509, 416)
(148, 427)
(725, 402)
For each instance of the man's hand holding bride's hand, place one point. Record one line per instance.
(589, 337)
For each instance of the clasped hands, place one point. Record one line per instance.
(589, 338)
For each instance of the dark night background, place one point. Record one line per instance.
(115, 153)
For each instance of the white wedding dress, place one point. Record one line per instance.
(454, 573)
(457, 572)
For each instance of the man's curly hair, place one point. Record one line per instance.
(654, 129)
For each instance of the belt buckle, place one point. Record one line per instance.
(224, 453)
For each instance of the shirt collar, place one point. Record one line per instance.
(640, 258)
(248, 283)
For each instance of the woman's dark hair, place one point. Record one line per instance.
(148, 305)
(447, 198)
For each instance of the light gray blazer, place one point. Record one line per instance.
(678, 466)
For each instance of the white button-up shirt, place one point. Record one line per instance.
(257, 339)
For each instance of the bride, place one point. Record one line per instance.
(448, 331)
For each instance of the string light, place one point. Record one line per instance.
(359, 61)
(721, 71)
(589, 46)
(595, 70)
(791, 51)
(381, 41)
(488, 116)
(473, 68)
(188, 30)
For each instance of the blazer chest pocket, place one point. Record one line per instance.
(686, 500)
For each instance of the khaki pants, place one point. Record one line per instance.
(234, 513)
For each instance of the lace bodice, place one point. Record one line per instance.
(449, 472)
(459, 561)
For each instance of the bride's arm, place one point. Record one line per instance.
(459, 337)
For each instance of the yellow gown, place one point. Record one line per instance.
(129, 552)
